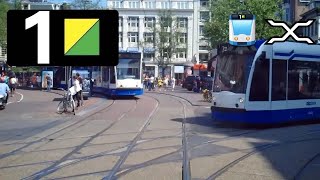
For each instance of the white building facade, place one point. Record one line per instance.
(136, 19)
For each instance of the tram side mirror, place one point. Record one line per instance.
(143, 65)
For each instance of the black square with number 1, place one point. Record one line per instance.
(63, 38)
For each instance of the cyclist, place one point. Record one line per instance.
(4, 89)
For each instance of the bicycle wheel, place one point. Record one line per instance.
(61, 107)
(70, 106)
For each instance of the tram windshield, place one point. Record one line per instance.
(128, 69)
(232, 72)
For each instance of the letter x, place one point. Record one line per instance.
(290, 31)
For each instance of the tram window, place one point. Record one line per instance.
(112, 76)
(279, 80)
(259, 90)
(105, 74)
(303, 80)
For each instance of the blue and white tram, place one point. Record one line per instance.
(125, 79)
(277, 83)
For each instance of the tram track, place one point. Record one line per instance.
(47, 137)
(258, 149)
(59, 163)
(113, 172)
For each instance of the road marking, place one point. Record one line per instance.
(208, 107)
(21, 97)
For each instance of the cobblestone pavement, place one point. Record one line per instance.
(160, 135)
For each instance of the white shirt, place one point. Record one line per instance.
(77, 86)
(13, 81)
(38, 79)
(151, 79)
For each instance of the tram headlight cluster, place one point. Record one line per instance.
(236, 38)
(241, 100)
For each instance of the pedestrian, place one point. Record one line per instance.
(81, 86)
(166, 83)
(173, 83)
(151, 85)
(39, 81)
(13, 85)
(34, 80)
(49, 82)
(77, 88)
(4, 89)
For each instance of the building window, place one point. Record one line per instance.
(201, 30)
(259, 90)
(204, 3)
(181, 53)
(116, 4)
(120, 37)
(182, 5)
(203, 57)
(165, 5)
(148, 55)
(203, 48)
(150, 5)
(183, 38)
(204, 16)
(303, 80)
(149, 37)
(134, 4)
(182, 22)
(133, 37)
(149, 22)
(165, 22)
(133, 22)
(279, 80)
(120, 21)
(287, 14)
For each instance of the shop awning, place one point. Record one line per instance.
(199, 67)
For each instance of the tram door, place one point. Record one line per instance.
(279, 84)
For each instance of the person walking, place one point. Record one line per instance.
(151, 85)
(173, 83)
(39, 81)
(49, 82)
(77, 89)
(81, 86)
(13, 85)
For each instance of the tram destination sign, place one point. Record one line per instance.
(129, 55)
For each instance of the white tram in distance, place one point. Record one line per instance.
(125, 79)
(276, 83)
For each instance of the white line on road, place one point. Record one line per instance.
(19, 99)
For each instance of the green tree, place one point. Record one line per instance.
(86, 4)
(4, 7)
(217, 28)
(167, 39)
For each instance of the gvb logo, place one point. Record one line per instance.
(290, 31)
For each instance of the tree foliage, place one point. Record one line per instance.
(86, 4)
(4, 7)
(217, 29)
(166, 33)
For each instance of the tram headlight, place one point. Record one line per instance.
(247, 38)
(236, 38)
(241, 100)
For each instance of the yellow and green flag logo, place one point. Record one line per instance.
(81, 37)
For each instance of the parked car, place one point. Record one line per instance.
(188, 82)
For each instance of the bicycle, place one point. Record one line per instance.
(67, 102)
(207, 95)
